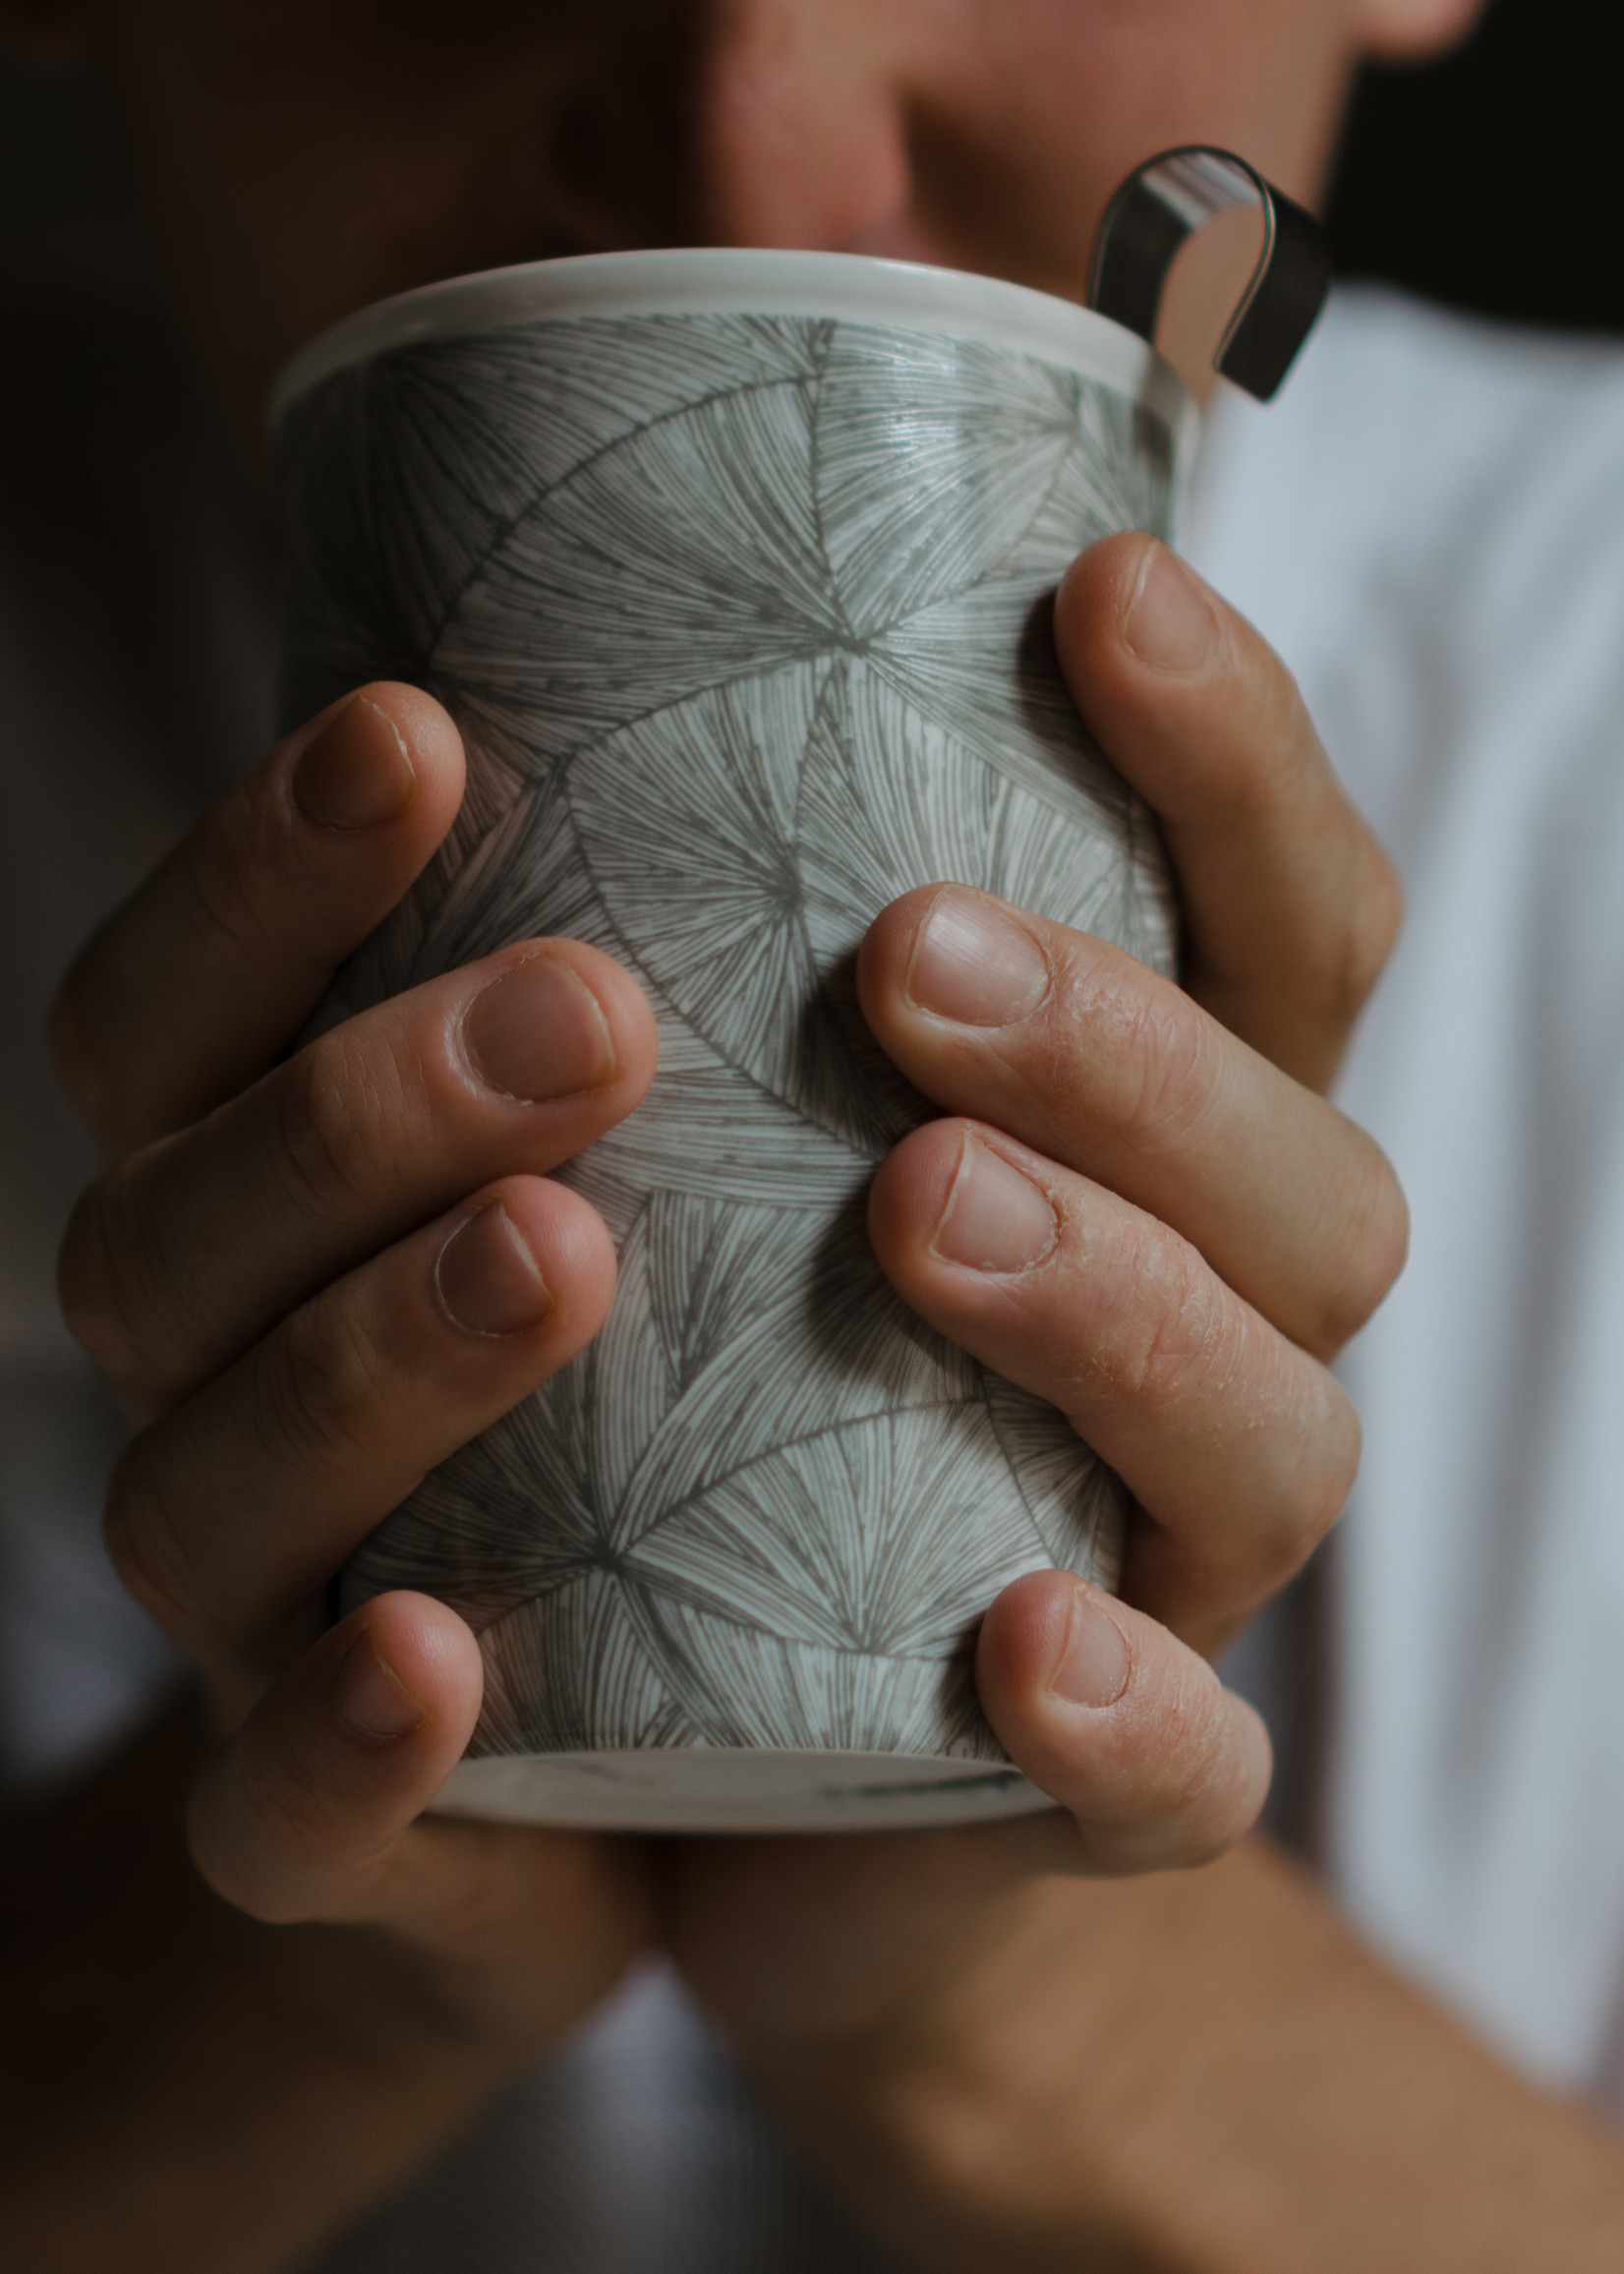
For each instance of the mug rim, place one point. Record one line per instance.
(726, 281)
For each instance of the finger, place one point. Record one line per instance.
(226, 1518)
(1239, 1447)
(1077, 1048)
(184, 1255)
(1161, 1767)
(314, 1812)
(304, 1814)
(1291, 906)
(196, 983)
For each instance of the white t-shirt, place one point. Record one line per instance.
(1429, 525)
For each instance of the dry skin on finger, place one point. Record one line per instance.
(1123, 1724)
(1076, 1048)
(1238, 1445)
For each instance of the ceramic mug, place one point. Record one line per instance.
(733, 569)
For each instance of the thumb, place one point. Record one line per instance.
(1121, 1724)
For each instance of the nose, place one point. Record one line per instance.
(799, 127)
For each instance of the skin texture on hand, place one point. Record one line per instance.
(308, 1280)
(1196, 2071)
(1128, 1207)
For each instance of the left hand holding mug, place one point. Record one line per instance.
(1141, 1206)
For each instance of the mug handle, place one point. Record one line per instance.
(1168, 199)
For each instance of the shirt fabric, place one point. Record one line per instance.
(1429, 527)
(1428, 524)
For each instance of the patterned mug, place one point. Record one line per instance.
(734, 568)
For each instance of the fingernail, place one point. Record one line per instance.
(974, 964)
(370, 1699)
(539, 1032)
(1094, 1664)
(1171, 625)
(996, 1219)
(487, 1278)
(357, 773)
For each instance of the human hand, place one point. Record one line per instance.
(309, 1279)
(1138, 1206)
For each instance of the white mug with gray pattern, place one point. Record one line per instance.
(733, 569)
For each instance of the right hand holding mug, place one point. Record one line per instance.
(1139, 1206)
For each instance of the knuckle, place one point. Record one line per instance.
(216, 1847)
(1311, 1500)
(1286, 747)
(294, 1812)
(274, 1858)
(220, 1868)
(236, 1884)
(1377, 1247)
(1308, 1503)
(319, 1395)
(87, 1284)
(1177, 1320)
(72, 1036)
(222, 867)
(1139, 1051)
(106, 1275)
(1201, 1763)
(1169, 1075)
(339, 1106)
(150, 1542)
(1224, 1779)
(1341, 1448)
(1367, 936)
(1252, 777)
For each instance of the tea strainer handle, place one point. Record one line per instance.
(1168, 199)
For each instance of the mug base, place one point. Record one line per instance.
(724, 1788)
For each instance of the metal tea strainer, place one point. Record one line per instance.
(1168, 200)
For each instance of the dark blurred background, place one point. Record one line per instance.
(1487, 180)
(1491, 180)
